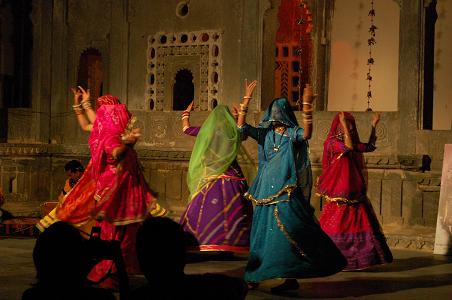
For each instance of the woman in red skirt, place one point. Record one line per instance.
(347, 215)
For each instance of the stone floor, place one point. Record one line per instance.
(412, 275)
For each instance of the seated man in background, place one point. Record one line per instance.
(161, 249)
(74, 170)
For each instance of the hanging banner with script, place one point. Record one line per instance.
(443, 238)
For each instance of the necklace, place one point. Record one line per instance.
(276, 147)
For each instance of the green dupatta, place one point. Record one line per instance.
(216, 147)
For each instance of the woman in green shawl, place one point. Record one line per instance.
(217, 214)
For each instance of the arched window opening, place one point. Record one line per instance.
(183, 89)
(90, 72)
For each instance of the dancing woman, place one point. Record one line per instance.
(112, 190)
(217, 214)
(348, 217)
(286, 240)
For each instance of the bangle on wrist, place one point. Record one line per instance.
(86, 104)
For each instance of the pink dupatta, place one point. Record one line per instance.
(118, 192)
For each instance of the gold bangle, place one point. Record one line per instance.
(185, 117)
(86, 105)
(246, 97)
(242, 113)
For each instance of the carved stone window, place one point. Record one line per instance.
(183, 89)
(90, 72)
(199, 52)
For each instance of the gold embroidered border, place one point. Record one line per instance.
(342, 200)
(283, 229)
(271, 200)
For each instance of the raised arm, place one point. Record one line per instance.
(86, 104)
(186, 116)
(373, 133)
(347, 138)
(79, 112)
(249, 90)
(370, 145)
(307, 112)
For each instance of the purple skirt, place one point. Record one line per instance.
(219, 217)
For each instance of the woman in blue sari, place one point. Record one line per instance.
(286, 239)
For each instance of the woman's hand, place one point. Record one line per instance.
(190, 106)
(249, 88)
(77, 95)
(132, 137)
(342, 119)
(85, 94)
(375, 119)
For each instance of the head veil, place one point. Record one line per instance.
(112, 119)
(216, 147)
(280, 111)
(336, 132)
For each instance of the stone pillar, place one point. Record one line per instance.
(41, 18)
(119, 51)
(322, 12)
(59, 63)
(410, 70)
(252, 51)
(269, 27)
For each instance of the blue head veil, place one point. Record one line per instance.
(280, 111)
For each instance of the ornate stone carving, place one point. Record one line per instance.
(198, 51)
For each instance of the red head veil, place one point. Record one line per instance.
(336, 132)
(107, 100)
